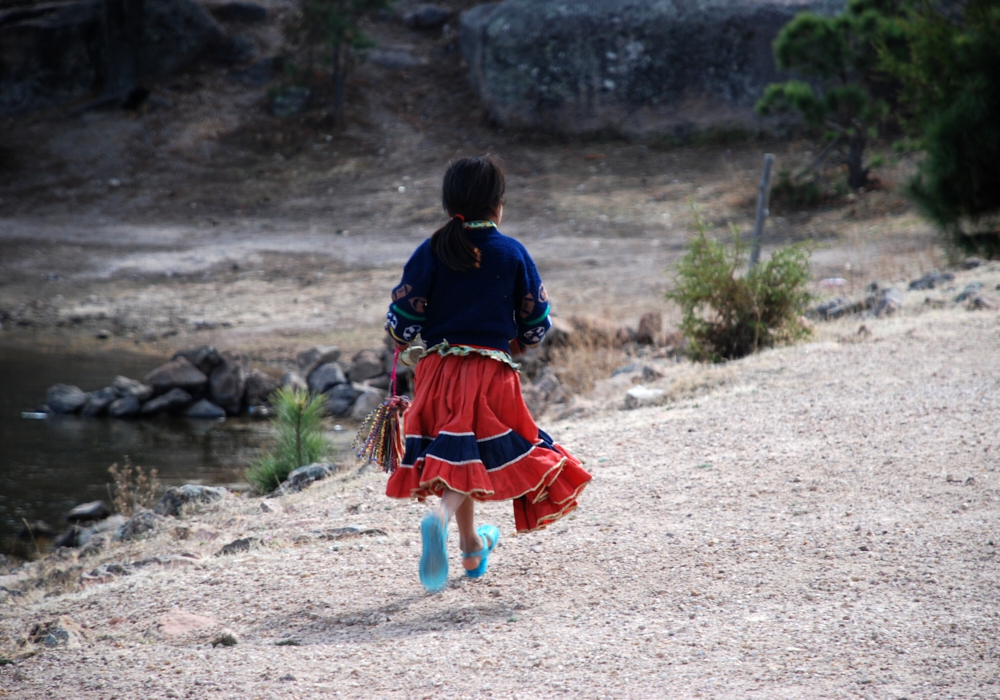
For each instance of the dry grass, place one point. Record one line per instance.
(580, 365)
(135, 487)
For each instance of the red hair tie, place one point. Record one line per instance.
(459, 217)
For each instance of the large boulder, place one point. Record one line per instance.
(178, 498)
(341, 398)
(125, 407)
(98, 401)
(309, 360)
(179, 373)
(204, 409)
(205, 358)
(325, 377)
(53, 53)
(172, 401)
(369, 399)
(628, 66)
(365, 365)
(228, 383)
(65, 398)
(260, 386)
(124, 386)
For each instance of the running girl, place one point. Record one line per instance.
(476, 299)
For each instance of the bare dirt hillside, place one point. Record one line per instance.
(819, 522)
(205, 218)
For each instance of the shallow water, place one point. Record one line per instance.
(48, 466)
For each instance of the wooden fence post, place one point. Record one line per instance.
(763, 198)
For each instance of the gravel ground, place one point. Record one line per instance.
(819, 524)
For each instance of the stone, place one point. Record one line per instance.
(179, 498)
(271, 507)
(177, 623)
(981, 301)
(394, 59)
(426, 17)
(971, 263)
(835, 308)
(34, 530)
(577, 408)
(260, 386)
(65, 398)
(627, 66)
(304, 477)
(889, 302)
(650, 329)
(235, 50)
(369, 399)
(179, 373)
(173, 400)
(561, 334)
(365, 365)
(206, 358)
(227, 385)
(325, 377)
(237, 546)
(125, 407)
(289, 101)
(970, 291)
(204, 408)
(226, 638)
(138, 526)
(552, 387)
(86, 512)
(310, 359)
(99, 401)
(62, 632)
(125, 387)
(341, 398)
(54, 53)
(241, 11)
(294, 381)
(640, 396)
(931, 280)
(650, 374)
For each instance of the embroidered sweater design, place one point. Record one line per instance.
(502, 299)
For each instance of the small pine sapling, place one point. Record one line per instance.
(299, 441)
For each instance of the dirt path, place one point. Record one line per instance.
(821, 524)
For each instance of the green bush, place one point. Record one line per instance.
(726, 316)
(795, 193)
(951, 91)
(300, 439)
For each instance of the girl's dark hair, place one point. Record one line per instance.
(473, 188)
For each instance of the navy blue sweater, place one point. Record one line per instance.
(489, 306)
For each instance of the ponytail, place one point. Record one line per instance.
(452, 247)
(473, 190)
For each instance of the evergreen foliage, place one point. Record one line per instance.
(332, 28)
(840, 56)
(726, 316)
(300, 439)
(950, 77)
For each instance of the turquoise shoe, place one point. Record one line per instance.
(434, 558)
(486, 533)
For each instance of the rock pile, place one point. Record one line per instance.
(197, 383)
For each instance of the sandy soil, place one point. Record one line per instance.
(817, 522)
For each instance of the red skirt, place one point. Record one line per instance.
(468, 430)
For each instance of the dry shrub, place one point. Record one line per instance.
(135, 487)
(586, 359)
